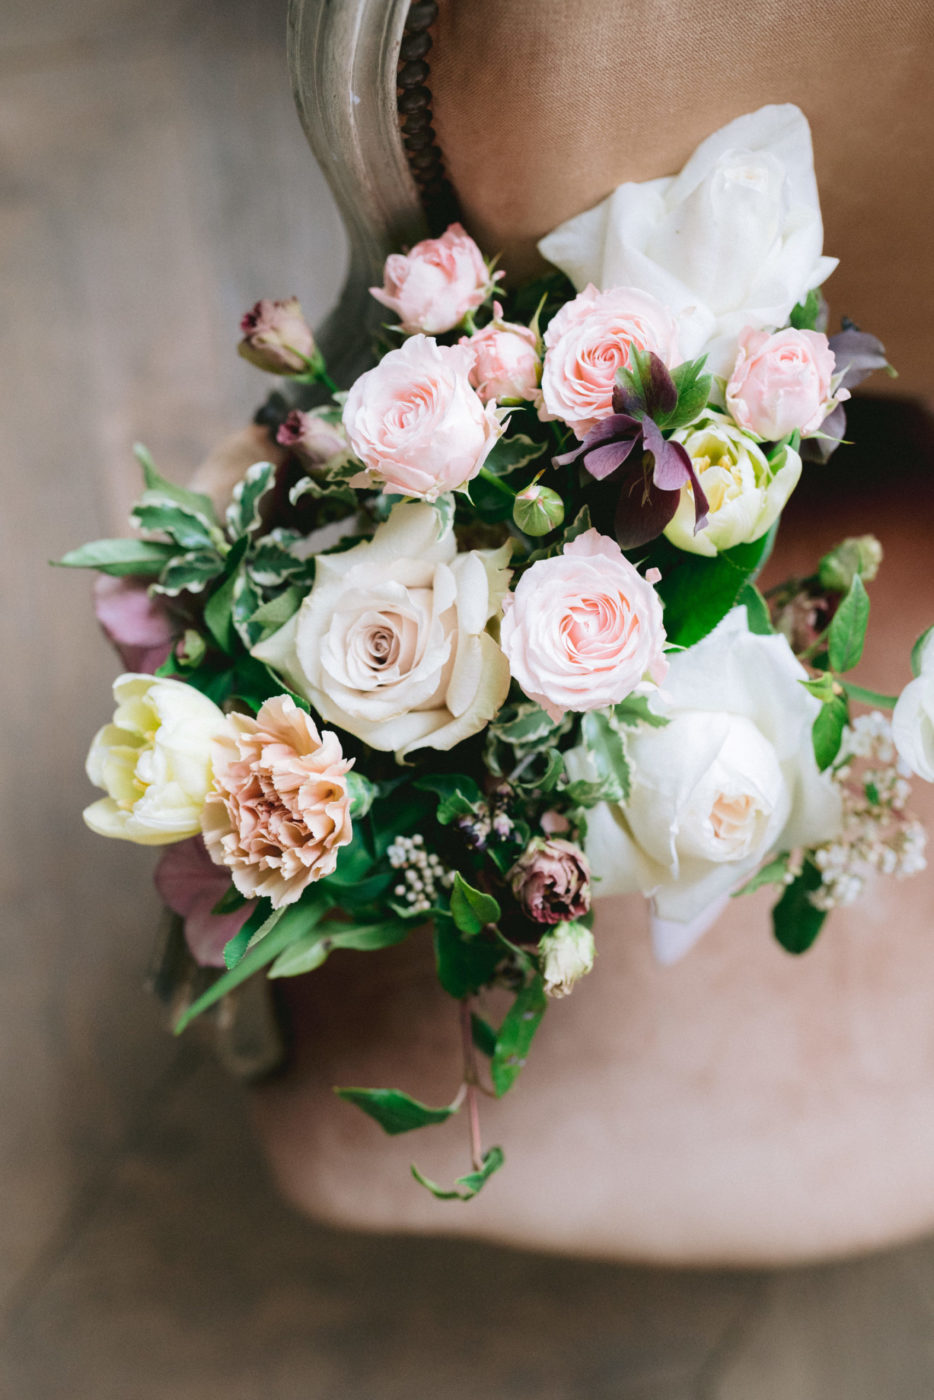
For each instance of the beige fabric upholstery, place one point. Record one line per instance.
(542, 107)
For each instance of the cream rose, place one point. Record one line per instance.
(782, 382)
(734, 240)
(745, 492)
(391, 643)
(433, 286)
(729, 780)
(589, 340)
(153, 761)
(584, 629)
(913, 717)
(416, 422)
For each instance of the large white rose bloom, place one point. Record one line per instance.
(391, 642)
(153, 761)
(913, 717)
(728, 781)
(733, 241)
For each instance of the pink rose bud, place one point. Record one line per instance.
(583, 629)
(277, 338)
(432, 287)
(782, 382)
(312, 437)
(416, 422)
(190, 884)
(538, 510)
(506, 363)
(589, 340)
(137, 624)
(551, 881)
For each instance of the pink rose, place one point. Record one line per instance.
(189, 882)
(280, 809)
(589, 340)
(416, 422)
(312, 437)
(551, 880)
(584, 629)
(137, 624)
(506, 362)
(432, 287)
(782, 382)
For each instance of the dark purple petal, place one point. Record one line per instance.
(601, 462)
(832, 431)
(643, 511)
(857, 354)
(672, 463)
(616, 426)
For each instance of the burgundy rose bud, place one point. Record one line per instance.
(551, 880)
(312, 437)
(277, 338)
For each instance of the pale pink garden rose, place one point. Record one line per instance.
(782, 382)
(188, 881)
(506, 360)
(589, 340)
(433, 286)
(416, 422)
(137, 624)
(584, 629)
(280, 808)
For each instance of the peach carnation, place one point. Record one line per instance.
(280, 809)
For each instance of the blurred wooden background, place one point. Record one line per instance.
(153, 183)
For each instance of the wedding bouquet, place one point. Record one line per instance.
(484, 642)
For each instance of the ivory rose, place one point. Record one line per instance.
(416, 422)
(782, 382)
(506, 363)
(280, 809)
(391, 642)
(589, 340)
(728, 781)
(745, 491)
(433, 286)
(734, 240)
(583, 629)
(153, 761)
(913, 717)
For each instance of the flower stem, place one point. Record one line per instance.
(470, 1081)
(494, 480)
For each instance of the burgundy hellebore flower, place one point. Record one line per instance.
(551, 880)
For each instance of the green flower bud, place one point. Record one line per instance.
(361, 793)
(538, 509)
(859, 554)
(567, 953)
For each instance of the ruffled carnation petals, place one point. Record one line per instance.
(782, 383)
(190, 884)
(417, 424)
(433, 286)
(589, 340)
(506, 362)
(280, 809)
(584, 629)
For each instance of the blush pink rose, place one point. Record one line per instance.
(589, 340)
(189, 882)
(506, 362)
(137, 624)
(432, 287)
(584, 629)
(782, 382)
(416, 422)
(280, 809)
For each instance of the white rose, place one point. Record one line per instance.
(734, 240)
(731, 779)
(913, 717)
(391, 642)
(153, 761)
(745, 492)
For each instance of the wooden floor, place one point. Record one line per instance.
(153, 183)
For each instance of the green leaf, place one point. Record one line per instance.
(189, 573)
(795, 920)
(771, 874)
(540, 771)
(394, 1111)
(827, 732)
(483, 1035)
(848, 628)
(310, 952)
(292, 923)
(243, 512)
(119, 557)
(693, 387)
(276, 613)
(635, 711)
(869, 697)
(698, 593)
(514, 1039)
(189, 531)
(525, 725)
(917, 649)
(459, 795)
(805, 315)
(470, 1184)
(218, 611)
(463, 965)
(511, 452)
(471, 909)
(236, 948)
(193, 501)
(757, 610)
(608, 749)
(822, 687)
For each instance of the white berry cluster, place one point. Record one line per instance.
(425, 875)
(879, 834)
